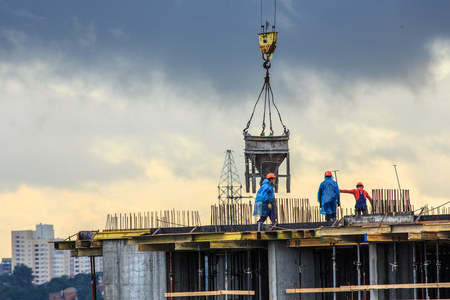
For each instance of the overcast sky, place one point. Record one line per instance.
(130, 106)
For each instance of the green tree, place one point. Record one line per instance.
(22, 276)
(59, 283)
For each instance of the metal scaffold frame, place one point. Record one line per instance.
(230, 192)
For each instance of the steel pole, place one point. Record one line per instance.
(394, 269)
(414, 268)
(358, 266)
(171, 273)
(334, 270)
(259, 275)
(425, 266)
(438, 266)
(398, 181)
(226, 270)
(199, 271)
(93, 279)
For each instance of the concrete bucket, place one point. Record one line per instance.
(263, 155)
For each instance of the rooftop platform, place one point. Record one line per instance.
(350, 230)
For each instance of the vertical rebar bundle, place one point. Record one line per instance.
(152, 219)
(390, 201)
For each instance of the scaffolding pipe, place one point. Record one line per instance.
(438, 266)
(358, 267)
(226, 270)
(334, 270)
(199, 271)
(394, 270)
(232, 280)
(171, 274)
(93, 279)
(206, 273)
(425, 266)
(214, 261)
(414, 268)
(259, 275)
(249, 272)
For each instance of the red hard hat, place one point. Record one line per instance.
(271, 175)
(328, 173)
(360, 184)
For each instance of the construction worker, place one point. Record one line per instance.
(328, 197)
(264, 200)
(360, 197)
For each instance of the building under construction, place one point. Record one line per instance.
(377, 256)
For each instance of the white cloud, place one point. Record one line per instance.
(440, 50)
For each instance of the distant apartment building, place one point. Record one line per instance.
(5, 266)
(33, 249)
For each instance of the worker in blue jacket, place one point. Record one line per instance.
(328, 197)
(264, 200)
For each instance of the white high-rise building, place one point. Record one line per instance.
(33, 248)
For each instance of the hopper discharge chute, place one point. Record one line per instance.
(264, 154)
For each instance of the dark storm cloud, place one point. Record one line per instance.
(374, 39)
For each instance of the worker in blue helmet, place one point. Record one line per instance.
(328, 197)
(264, 200)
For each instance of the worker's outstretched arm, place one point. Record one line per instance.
(347, 191)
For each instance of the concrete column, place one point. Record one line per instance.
(373, 269)
(129, 274)
(283, 270)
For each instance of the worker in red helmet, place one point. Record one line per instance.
(264, 200)
(360, 197)
(328, 197)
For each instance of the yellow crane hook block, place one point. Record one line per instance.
(267, 44)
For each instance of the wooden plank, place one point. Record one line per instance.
(191, 246)
(387, 237)
(414, 236)
(155, 247)
(284, 235)
(309, 234)
(161, 239)
(209, 293)
(119, 234)
(249, 236)
(64, 245)
(337, 231)
(192, 294)
(238, 245)
(316, 242)
(313, 290)
(298, 235)
(86, 252)
(243, 293)
(217, 237)
(349, 288)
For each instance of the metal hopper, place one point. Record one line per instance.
(263, 155)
